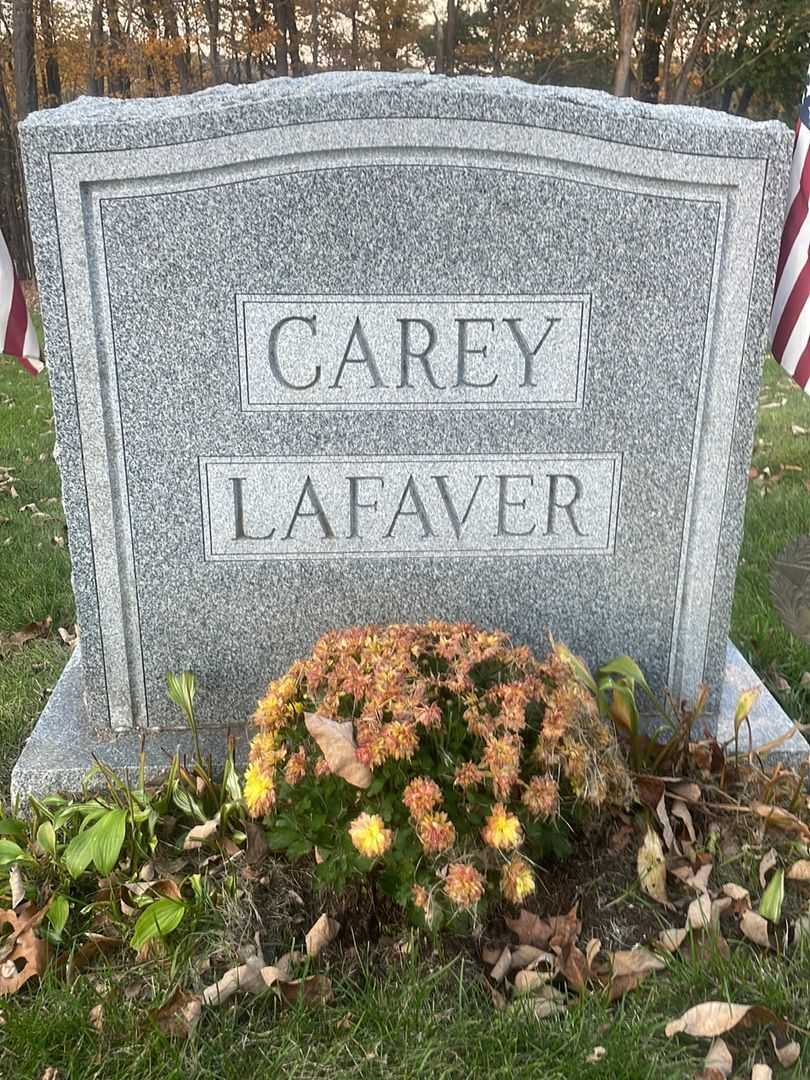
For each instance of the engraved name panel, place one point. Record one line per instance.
(258, 508)
(319, 352)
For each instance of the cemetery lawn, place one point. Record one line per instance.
(398, 1012)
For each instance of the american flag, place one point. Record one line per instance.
(17, 334)
(790, 319)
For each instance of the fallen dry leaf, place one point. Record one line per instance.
(321, 934)
(713, 1018)
(314, 990)
(755, 928)
(718, 1062)
(787, 1052)
(200, 833)
(780, 818)
(336, 742)
(96, 1016)
(530, 929)
(762, 1072)
(179, 1016)
(699, 913)
(796, 429)
(572, 965)
(766, 864)
(502, 965)
(652, 868)
(21, 637)
(25, 955)
(800, 871)
(526, 982)
(247, 977)
(680, 810)
(636, 961)
(672, 939)
(596, 1055)
(525, 956)
(565, 929)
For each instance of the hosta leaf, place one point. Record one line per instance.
(157, 920)
(108, 839)
(58, 911)
(46, 837)
(10, 852)
(79, 853)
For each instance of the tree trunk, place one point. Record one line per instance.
(53, 82)
(355, 38)
(95, 80)
(12, 213)
(280, 17)
(745, 100)
(316, 34)
(25, 72)
(294, 38)
(671, 37)
(171, 33)
(212, 19)
(628, 23)
(696, 48)
(654, 25)
(450, 39)
(119, 77)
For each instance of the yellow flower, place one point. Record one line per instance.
(517, 880)
(401, 739)
(369, 835)
(464, 885)
(421, 795)
(260, 792)
(265, 748)
(502, 829)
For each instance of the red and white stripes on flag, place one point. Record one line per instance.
(17, 334)
(790, 319)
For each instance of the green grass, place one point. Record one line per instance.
(772, 521)
(398, 1018)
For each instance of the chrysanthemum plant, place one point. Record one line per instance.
(438, 757)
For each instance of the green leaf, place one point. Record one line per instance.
(157, 920)
(79, 853)
(299, 848)
(580, 671)
(745, 703)
(46, 837)
(108, 839)
(770, 906)
(626, 668)
(13, 827)
(58, 912)
(10, 852)
(278, 839)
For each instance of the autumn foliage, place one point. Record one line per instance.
(439, 756)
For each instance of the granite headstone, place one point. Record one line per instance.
(371, 348)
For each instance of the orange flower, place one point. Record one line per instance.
(467, 775)
(296, 767)
(401, 739)
(501, 829)
(464, 885)
(517, 880)
(322, 767)
(436, 832)
(421, 795)
(369, 835)
(420, 897)
(542, 796)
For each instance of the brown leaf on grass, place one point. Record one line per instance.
(247, 977)
(651, 790)
(525, 956)
(713, 1018)
(490, 954)
(335, 740)
(800, 871)
(180, 1015)
(530, 929)
(766, 864)
(572, 965)
(762, 1072)
(502, 965)
(314, 990)
(666, 826)
(686, 790)
(565, 929)
(652, 868)
(25, 955)
(69, 636)
(94, 946)
(737, 893)
(780, 818)
(96, 1016)
(197, 836)
(257, 848)
(787, 1052)
(673, 938)
(321, 934)
(527, 982)
(718, 1063)
(30, 632)
(755, 928)
(596, 1055)
(636, 961)
(680, 810)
